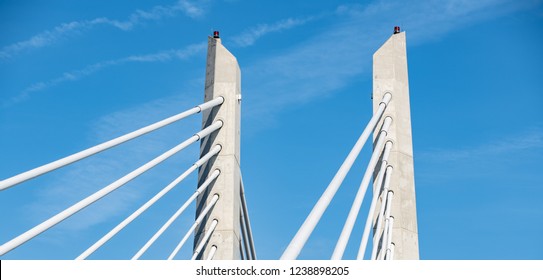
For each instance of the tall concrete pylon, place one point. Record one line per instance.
(390, 75)
(223, 78)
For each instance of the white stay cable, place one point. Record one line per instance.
(17, 241)
(193, 227)
(181, 209)
(38, 171)
(388, 246)
(359, 198)
(204, 239)
(149, 203)
(212, 252)
(388, 209)
(377, 228)
(367, 227)
(246, 219)
(297, 243)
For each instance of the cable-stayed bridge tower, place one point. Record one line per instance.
(390, 76)
(392, 213)
(223, 79)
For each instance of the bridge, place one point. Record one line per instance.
(222, 229)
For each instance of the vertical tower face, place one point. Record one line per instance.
(390, 75)
(223, 78)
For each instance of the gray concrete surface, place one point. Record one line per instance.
(390, 75)
(223, 78)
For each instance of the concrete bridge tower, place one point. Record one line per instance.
(390, 75)
(223, 78)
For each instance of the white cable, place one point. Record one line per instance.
(247, 221)
(377, 228)
(389, 239)
(150, 242)
(388, 209)
(204, 239)
(391, 251)
(245, 238)
(17, 179)
(193, 227)
(17, 241)
(367, 227)
(359, 198)
(301, 237)
(148, 204)
(212, 252)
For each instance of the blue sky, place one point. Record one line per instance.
(77, 74)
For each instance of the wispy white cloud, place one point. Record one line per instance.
(497, 159)
(245, 39)
(328, 61)
(75, 75)
(314, 68)
(89, 175)
(250, 36)
(319, 65)
(490, 151)
(66, 186)
(49, 37)
(61, 189)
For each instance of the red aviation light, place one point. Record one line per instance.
(216, 34)
(396, 29)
